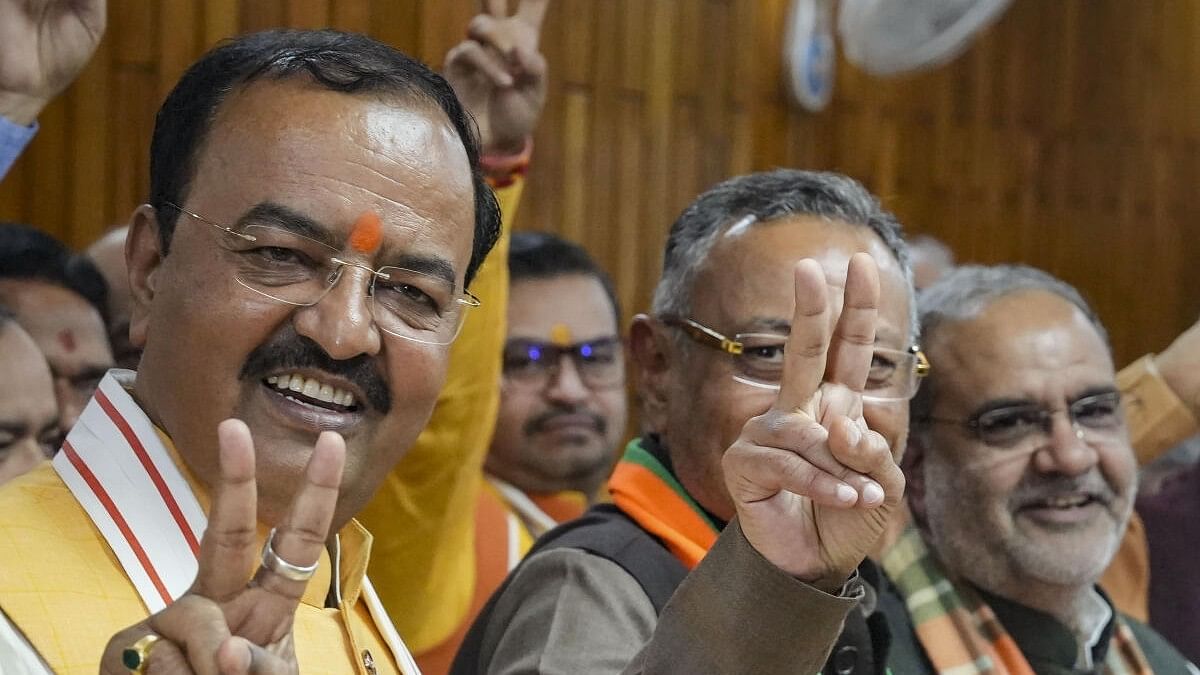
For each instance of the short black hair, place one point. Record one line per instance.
(539, 255)
(28, 253)
(345, 62)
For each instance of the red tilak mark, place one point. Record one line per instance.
(367, 233)
(67, 339)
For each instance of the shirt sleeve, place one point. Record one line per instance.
(567, 612)
(738, 613)
(1158, 420)
(13, 139)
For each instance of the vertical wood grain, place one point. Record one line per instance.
(1066, 137)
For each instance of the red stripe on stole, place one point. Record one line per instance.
(138, 449)
(111, 508)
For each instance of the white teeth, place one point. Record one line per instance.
(311, 388)
(1066, 501)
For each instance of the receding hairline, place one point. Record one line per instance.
(726, 236)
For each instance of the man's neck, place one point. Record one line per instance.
(589, 485)
(1073, 606)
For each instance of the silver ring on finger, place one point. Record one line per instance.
(272, 562)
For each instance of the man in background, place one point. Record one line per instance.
(1021, 483)
(59, 299)
(931, 260)
(562, 412)
(108, 255)
(29, 429)
(562, 401)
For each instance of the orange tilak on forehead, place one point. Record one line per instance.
(560, 335)
(367, 234)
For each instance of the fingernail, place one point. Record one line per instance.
(872, 494)
(846, 494)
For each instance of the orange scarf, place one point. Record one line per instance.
(647, 492)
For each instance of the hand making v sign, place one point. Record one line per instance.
(499, 74)
(813, 486)
(235, 619)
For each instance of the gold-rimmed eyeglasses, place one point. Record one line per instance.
(294, 269)
(758, 361)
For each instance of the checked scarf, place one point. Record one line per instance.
(961, 634)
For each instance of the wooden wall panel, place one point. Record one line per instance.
(1067, 137)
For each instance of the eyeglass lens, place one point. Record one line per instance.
(1007, 426)
(533, 364)
(297, 270)
(893, 373)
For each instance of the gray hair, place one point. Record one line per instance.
(760, 198)
(965, 291)
(931, 247)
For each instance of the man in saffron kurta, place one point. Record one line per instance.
(121, 476)
(317, 210)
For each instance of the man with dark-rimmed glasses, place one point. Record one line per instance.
(561, 415)
(562, 401)
(1021, 482)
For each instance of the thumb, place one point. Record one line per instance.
(235, 656)
(239, 656)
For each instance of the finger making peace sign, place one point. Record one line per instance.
(499, 74)
(813, 485)
(234, 618)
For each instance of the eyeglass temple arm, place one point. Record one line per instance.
(923, 365)
(226, 230)
(706, 335)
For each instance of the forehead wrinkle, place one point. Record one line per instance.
(408, 215)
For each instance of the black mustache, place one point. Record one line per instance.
(290, 351)
(539, 423)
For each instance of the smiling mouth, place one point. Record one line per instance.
(1064, 503)
(311, 391)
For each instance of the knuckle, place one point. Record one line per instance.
(232, 538)
(808, 348)
(306, 535)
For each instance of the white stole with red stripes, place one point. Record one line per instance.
(118, 468)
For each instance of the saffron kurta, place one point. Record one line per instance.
(108, 533)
